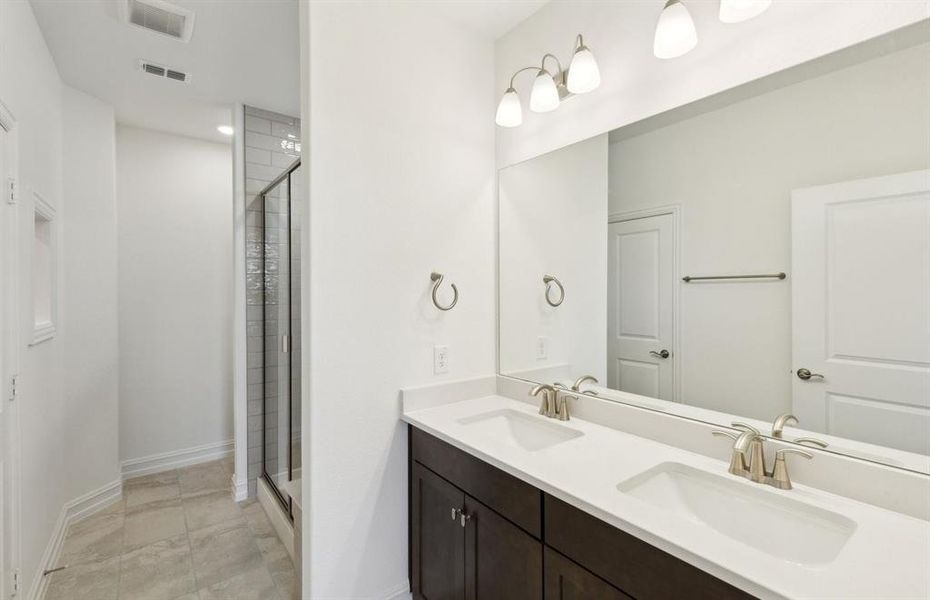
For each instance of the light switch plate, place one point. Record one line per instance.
(440, 360)
(542, 348)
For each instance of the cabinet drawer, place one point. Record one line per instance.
(513, 499)
(639, 569)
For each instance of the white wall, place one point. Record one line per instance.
(30, 87)
(90, 355)
(553, 220)
(401, 183)
(732, 171)
(175, 292)
(66, 385)
(636, 85)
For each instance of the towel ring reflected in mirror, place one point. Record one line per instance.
(548, 280)
(437, 281)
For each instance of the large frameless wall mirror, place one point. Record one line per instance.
(762, 252)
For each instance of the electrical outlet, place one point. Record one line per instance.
(542, 348)
(440, 360)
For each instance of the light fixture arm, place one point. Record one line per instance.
(558, 63)
(537, 69)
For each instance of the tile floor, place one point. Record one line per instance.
(175, 536)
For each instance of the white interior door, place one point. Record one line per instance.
(640, 306)
(861, 309)
(9, 441)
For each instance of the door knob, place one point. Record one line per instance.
(660, 354)
(806, 374)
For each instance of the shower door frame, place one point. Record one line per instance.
(286, 503)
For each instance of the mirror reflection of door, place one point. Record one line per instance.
(640, 306)
(861, 309)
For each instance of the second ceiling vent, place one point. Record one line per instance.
(163, 71)
(159, 16)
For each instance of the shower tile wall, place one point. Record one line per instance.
(271, 145)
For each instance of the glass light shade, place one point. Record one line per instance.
(675, 33)
(545, 96)
(583, 74)
(509, 112)
(734, 11)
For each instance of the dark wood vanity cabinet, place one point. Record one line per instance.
(460, 549)
(566, 580)
(477, 533)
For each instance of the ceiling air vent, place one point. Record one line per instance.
(160, 17)
(162, 71)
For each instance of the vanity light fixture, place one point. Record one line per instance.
(545, 95)
(675, 32)
(550, 89)
(736, 11)
(583, 74)
(225, 129)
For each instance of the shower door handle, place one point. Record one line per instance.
(285, 344)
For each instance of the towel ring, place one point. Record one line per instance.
(548, 279)
(437, 281)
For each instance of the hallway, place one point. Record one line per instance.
(175, 536)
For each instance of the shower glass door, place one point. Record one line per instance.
(281, 323)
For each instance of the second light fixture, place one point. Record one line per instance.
(582, 76)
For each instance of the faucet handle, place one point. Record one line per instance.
(745, 427)
(721, 433)
(780, 455)
(814, 442)
(780, 477)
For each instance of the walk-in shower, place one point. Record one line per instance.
(280, 263)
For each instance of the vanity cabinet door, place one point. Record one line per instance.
(437, 538)
(501, 560)
(567, 581)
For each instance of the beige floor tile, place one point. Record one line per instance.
(163, 477)
(286, 584)
(229, 465)
(153, 522)
(223, 551)
(145, 493)
(210, 508)
(88, 581)
(160, 571)
(206, 477)
(257, 519)
(93, 539)
(255, 584)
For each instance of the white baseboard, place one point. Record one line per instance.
(240, 489)
(72, 512)
(401, 592)
(166, 461)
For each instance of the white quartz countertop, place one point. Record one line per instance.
(887, 557)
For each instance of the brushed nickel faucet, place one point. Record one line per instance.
(576, 387)
(748, 457)
(778, 426)
(547, 407)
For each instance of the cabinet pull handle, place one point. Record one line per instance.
(463, 517)
(455, 513)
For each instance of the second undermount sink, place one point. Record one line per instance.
(773, 523)
(515, 428)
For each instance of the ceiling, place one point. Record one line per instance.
(491, 18)
(243, 51)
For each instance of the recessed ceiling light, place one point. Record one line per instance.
(226, 130)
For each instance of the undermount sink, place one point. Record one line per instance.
(770, 522)
(525, 431)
